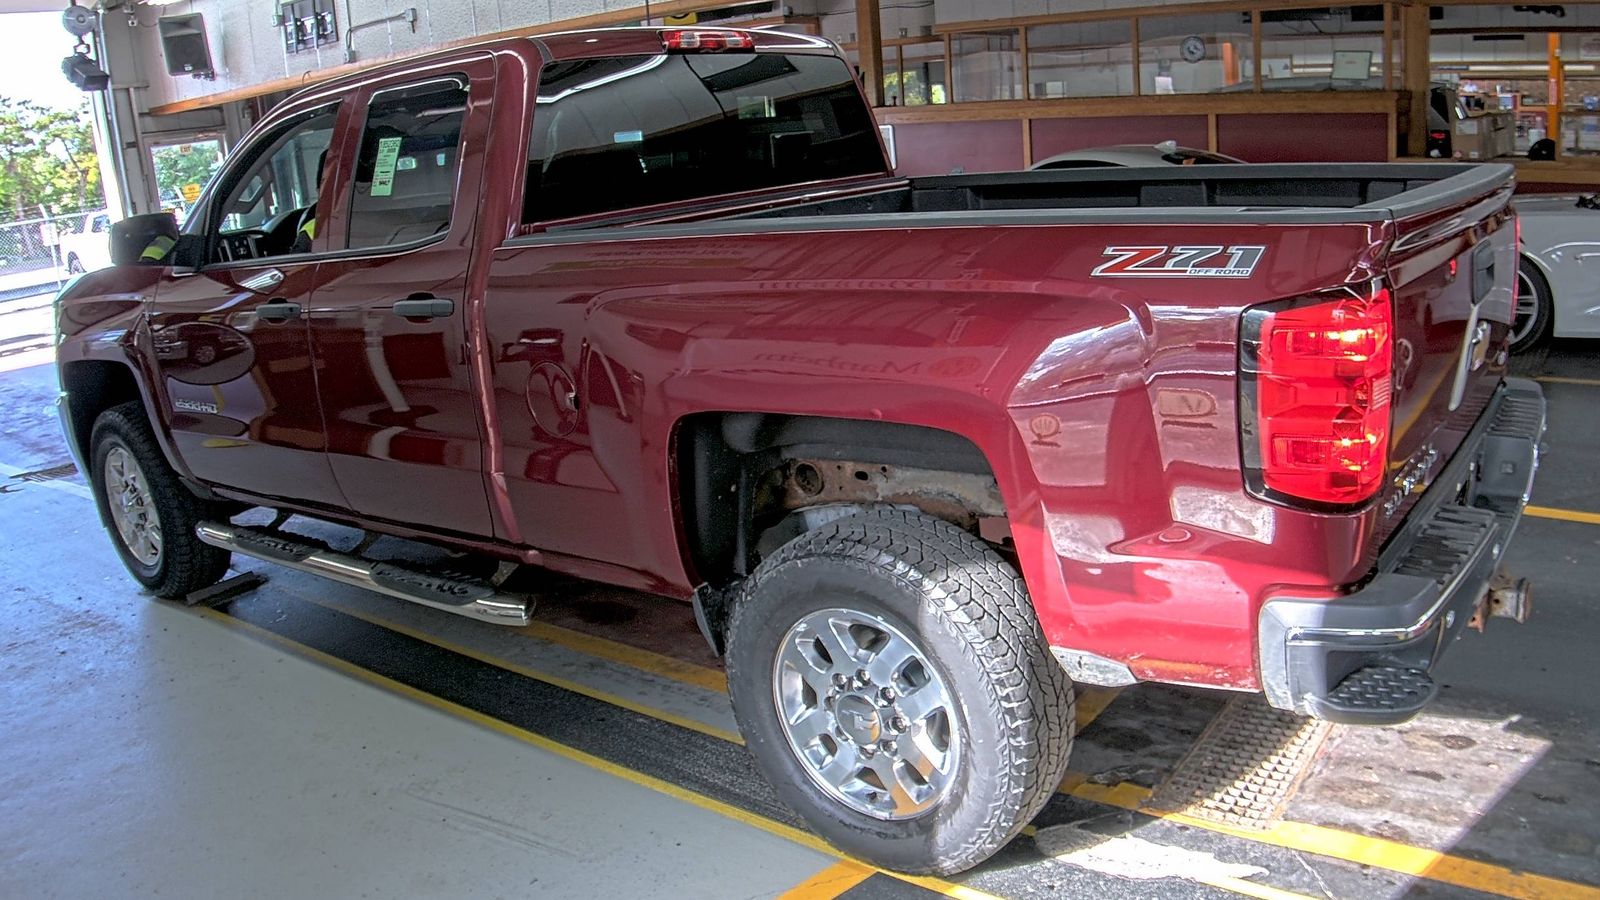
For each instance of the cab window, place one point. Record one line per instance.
(267, 206)
(408, 164)
(611, 133)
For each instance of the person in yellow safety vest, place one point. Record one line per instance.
(157, 249)
(304, 237)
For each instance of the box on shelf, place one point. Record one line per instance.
(1486, 136)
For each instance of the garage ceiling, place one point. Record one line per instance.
(24, 6)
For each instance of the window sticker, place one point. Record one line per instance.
(383, 171)
(757, 108)
(405, 163)
(628, 137)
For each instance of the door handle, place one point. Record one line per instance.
(424, 307)
(277, 310)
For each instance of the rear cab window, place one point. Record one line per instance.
(620, 132)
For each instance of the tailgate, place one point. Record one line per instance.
(1452, 271)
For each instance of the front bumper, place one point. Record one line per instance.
(1364, 658)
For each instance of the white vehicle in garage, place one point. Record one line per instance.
(86, 242)
(1558, 281)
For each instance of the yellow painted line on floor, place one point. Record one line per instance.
(1092, 702)
(670, 667)
(525, 671)
(787, 832)
(829, 883)
(1330, 842)
(1364, 850)
(1566, 515)
(1563, 379)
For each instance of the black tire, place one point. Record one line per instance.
(969, 611)
(183, 563)
(1544, 307)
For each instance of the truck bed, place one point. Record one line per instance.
(1288, 193)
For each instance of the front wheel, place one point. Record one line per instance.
(1535, 308)
(150, 515)
(891, 679)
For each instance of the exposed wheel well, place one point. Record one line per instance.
(749, 481)
(94, 386)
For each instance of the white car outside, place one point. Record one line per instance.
(1558, 282)
(86, 242)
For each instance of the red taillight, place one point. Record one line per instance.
(1315, 380)
(1438, 135)
(688, 41)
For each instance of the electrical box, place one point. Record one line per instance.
(307, 24)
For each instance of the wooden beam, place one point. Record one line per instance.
(1133, 48)
(1558, 95)
(1127, 12)
(625, 16)
(1376, 102)
(1415, 79)
(1027, 143)
(1388, 49)
(1255, 40)
(869, 44)
(1211, 132)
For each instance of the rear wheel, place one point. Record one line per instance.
(890, 677)
(1530, 327)
(150, 515)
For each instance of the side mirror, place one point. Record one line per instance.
(144, 240)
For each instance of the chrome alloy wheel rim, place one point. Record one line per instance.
(866, 713)
(1527, 309)
(132, 511)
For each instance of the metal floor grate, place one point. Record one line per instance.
(1245, 767)
(54, 473)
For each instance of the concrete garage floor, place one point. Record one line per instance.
(314, 740)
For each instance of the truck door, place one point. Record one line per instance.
(389, 325)
(231, 346)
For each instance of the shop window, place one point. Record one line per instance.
(922, 75)
(987, 64)
(1324, 48)
(1087, 59)
(1196, 54)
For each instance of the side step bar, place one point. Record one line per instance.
(470, 597)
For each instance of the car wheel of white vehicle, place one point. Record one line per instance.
(1530, 327)
(891, 679)
(150, 515)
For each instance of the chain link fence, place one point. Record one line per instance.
(38, 255)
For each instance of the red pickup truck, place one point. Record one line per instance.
(649, 306)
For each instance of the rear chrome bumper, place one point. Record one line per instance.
(1364, 658)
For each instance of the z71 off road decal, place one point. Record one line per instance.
(1180, 262)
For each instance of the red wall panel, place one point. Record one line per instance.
(1305, 137)
(1052, 136)
(936, 148)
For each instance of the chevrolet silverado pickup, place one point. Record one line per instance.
(650, 307)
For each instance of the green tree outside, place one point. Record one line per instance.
(47, 159)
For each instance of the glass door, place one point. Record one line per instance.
(182, 169)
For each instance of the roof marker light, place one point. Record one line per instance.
(693, 41)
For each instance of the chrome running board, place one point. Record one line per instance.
(470, 597)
